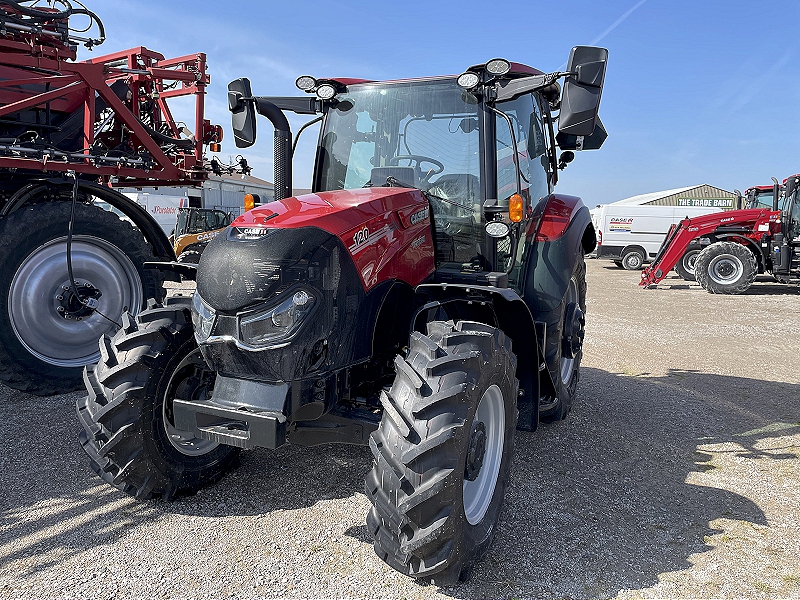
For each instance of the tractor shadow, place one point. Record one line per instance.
(610, 499)
(606, 501)
(53, 507)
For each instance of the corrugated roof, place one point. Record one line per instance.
(645, 198)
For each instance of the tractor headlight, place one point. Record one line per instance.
(265, 327)
(202, 318)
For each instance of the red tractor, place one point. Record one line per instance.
(426, 300)
(725, 251)
(68, 131)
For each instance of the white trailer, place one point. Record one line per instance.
(163, 208)
(631, 234)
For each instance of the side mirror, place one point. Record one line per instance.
(243, 112)
(567, 141)
(580, 100)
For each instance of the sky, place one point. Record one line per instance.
(696, 91)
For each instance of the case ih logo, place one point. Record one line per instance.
(419, 216)
(726, 219)
(247, 233)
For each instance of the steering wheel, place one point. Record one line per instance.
(419, 159)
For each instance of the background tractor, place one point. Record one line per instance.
(725, 251)
(68, 132)
(426, 300)
(194, 229)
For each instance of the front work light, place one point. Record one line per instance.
(249, 202)
(497, 229)
(516, 208)
(305, 83)
(498, 66)
(467, 80)
(273, 325)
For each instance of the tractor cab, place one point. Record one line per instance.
(481, 148)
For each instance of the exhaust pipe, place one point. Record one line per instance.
(283, 147)
(776, 193)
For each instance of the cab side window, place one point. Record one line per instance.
(531, 147)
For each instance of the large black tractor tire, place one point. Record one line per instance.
(632, 259)
(42, 351)
(686, 265)
(726, 268)
(564, 361)
(128, 430)
(443, 450)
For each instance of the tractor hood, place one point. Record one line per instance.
(336, 212)
(377, 233)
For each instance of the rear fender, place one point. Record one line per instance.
(565, 233)
(558, 245)
(498, 307)
(150, 229)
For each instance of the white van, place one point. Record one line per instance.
(631, 234)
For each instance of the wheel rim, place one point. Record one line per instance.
(689, 260)
(478, 492)
(633, 261)
(725, 269)
(33, 298)
(189, 381)
(568, 363)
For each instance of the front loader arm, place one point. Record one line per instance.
(681, 235)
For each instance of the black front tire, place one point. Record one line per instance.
(427, 448)
(41, 352)
(726, 268)
(126, 419)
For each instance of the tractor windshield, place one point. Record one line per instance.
(419, 133)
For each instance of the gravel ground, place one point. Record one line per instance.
(677, 475)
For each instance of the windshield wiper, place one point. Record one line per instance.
(393, 181)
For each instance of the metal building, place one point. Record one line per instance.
(703, 195)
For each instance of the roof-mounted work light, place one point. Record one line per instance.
(306, 83)
(326, 91)
(498, 66)
(468, 80)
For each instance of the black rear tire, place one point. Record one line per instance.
(619, 264)
(126, 419)
(726, 268)
(427, 448)
(685, 267)
(565, 361)
(41, 352)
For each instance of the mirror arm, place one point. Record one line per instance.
(515, 88)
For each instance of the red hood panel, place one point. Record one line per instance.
(387, 231)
